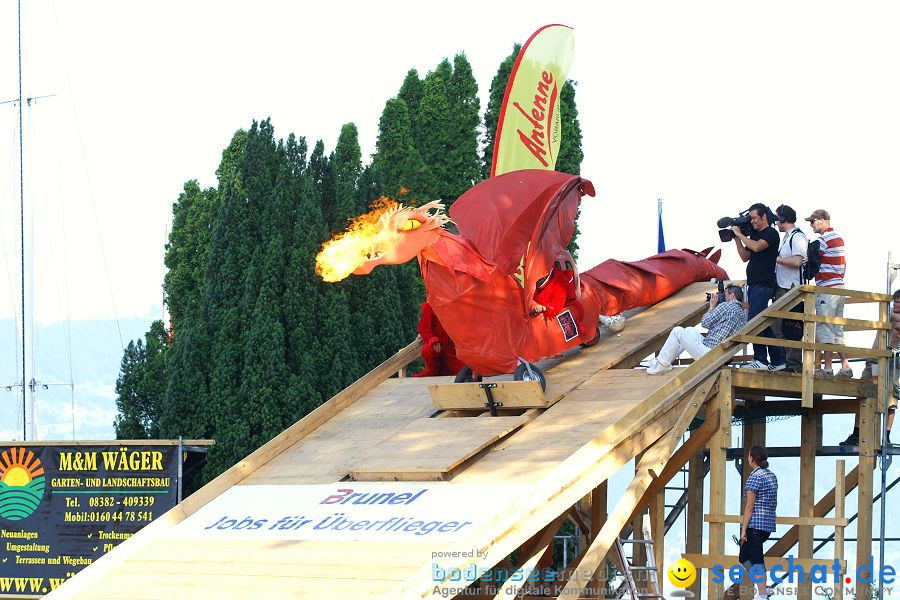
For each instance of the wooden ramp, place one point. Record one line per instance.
(378, 494)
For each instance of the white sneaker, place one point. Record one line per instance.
(657, 368)
(758, 365)
(780, 367)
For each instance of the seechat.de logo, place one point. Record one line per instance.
(21, 483)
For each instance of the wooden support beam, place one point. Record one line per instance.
(721, 441)
(802, 521)
(657, 533)
(750, 381)
(654, 458)
(849, 324)
(696, 475)
(866, 296)
(839, 495)
(849, 350)
(810, 357)
(807, 489)
(694, 444)
(867, 437)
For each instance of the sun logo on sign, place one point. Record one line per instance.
(21, 483)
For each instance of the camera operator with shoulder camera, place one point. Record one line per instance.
(759, 249)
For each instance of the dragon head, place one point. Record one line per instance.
(389, 234)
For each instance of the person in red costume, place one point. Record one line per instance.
(438, 350)
(559, 290)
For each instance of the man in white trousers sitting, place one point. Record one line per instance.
(721, 320)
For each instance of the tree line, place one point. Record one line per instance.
(256, 340)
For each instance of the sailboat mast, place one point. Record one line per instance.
(22, 228)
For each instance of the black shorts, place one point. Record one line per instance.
(752, 549)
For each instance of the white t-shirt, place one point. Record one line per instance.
(794, 243)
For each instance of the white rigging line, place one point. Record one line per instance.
(87, 176)
(65, 278)
(12, 296)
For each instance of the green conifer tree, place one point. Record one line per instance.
(495, 104)
(570, 153)
(463, 161)
(140, 387)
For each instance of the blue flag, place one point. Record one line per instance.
(661, 240)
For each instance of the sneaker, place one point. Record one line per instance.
(780, 367)
(757, 365)
(657, 368)
(824, 373)
(852, 440)
(847, 372)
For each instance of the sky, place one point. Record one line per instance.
(709, 105)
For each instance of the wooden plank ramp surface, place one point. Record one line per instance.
(599, 415)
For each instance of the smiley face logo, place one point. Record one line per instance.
(682, 573)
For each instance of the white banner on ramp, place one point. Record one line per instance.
(371, 511)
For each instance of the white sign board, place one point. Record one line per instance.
(371, 511)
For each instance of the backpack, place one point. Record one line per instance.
(813, 261)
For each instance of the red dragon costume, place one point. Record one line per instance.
(482, 283)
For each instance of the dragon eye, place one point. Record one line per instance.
(410, 225)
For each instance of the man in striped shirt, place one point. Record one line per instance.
(831, 274)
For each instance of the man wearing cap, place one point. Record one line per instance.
(831, 275)
(759, 251)
(788, 266)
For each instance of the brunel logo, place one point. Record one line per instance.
(544, 119)
(21, 483)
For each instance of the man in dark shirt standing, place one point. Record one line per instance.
(759, 251)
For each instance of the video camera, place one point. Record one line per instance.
(742, 221)
(721, 292)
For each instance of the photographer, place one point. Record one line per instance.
(722, 320)
(759, 251)
(788, 267)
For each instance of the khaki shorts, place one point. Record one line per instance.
(829, 305)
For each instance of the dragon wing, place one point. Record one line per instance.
(521, 219)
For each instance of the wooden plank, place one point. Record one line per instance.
(708, 561)
(512, 394)
(790, 385)
(849, 324)
(430, 446)
(827, 521)
(849, 350)
(142, 442)
(867, 296)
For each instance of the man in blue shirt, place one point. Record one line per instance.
(722, 320)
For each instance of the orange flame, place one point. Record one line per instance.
(346, 251)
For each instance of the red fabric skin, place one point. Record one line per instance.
(437, 363)
(558, 294)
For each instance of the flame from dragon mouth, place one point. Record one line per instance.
(361, 241)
